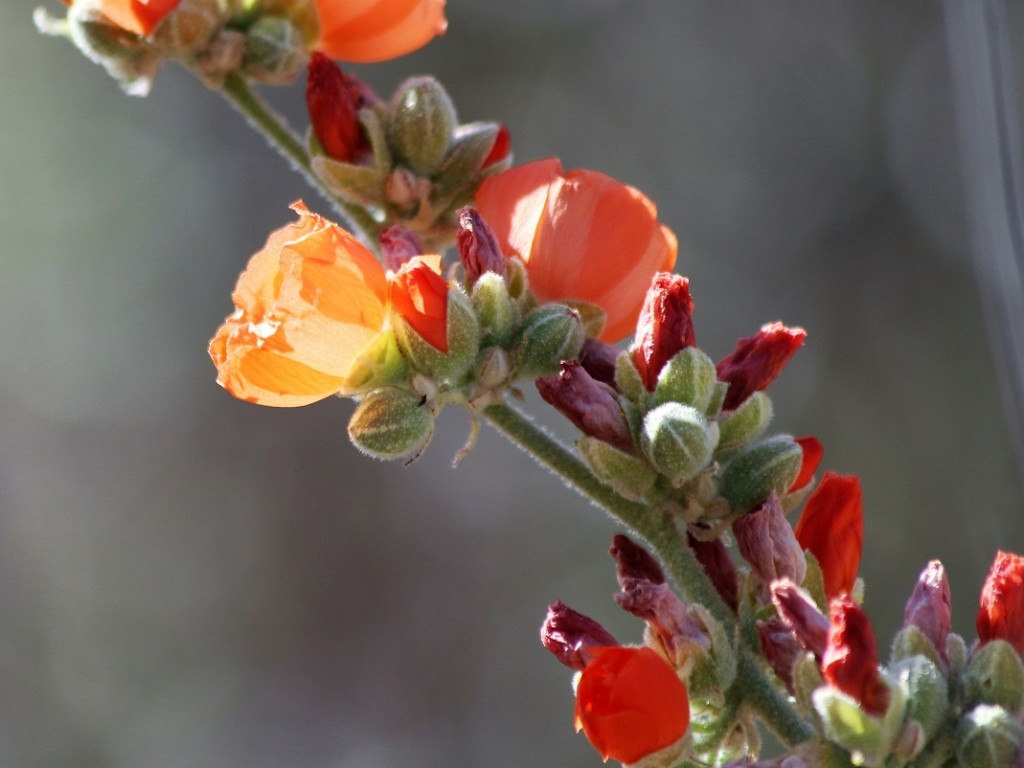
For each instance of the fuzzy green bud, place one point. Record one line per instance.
(988, 737)
(549, 334)
(995, 675)
(869, 738)
(747, 422)
(379, 364)
(463, 336)
(758, 469)
(628, 381)
(717, 399)
(927, 692)
(911, 641)
(469, 148)
(494, 309)
(678, 440)
(629, 475)
(422, 124)
(494, 369)
(275, 52)
(391, 424)
(688, 378)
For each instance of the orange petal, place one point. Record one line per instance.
(138, 16)
(420, 295)
(831, 527)
(377, 30)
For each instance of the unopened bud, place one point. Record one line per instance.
(850, 661)
(549, 334)
(765, 539)
(757, 360)
(592, 406)
(745, 423)
(1001, 612)
(719, 567)
(871, 738)
(494, 369)
(677, 440)
(391, 424)
(633, 561)
(628, 381)
(780, 647)
(275, 52)
(377, 365)
(494, 309)
(479, 249)
(333, 100)
(688, 378)
(797, 609)
(471, 150)
(927, 692)
(422, 124)
(628, 474)
(989, 737)
(571, 636)
(760, 468)
(995, 675)
(929, 607)
(398, 246)
(665, 326)
(598, 358)
(441, 351)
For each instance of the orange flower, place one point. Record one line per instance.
(420, 295)
(582, 235)
(813, 451)
(1001, 616)
(306, 305)
(630, 703)
(138, 16)
(377, 30)
(832, 528)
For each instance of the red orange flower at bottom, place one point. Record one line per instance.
(630, 703)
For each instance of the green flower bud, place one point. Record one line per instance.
(391, 424)
(591, 315)
(678, 441)
(869, 738)
(911, 641)
(757, 470)
(688, 378)
(550, 334)
(628, 380)
(422, 124)
(717, 399)
(378, 365)
(927, 692)
(359, 184)
(470, 146)
(463, 334)
(988, 737)
(274, 51)
(494, 369)
(630, 476)
(995, 675)
(494, 309)
(518, 282)
(302, 13)
(746, 422)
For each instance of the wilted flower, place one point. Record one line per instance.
(797, 610)
(333, 100)
(582, 235)
(765, 539)
(1001, 615)
(757, 360)
(572, 637)
(591, 405)
(633, 561)
(719, 567)
(832, 528)
(377, 30)
(665, 326)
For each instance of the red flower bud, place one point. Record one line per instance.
(398, 245)
(665, 326)
(592, 406)
(832, 528)
(634, 562)
(598, 359)
(929, 607)
(714, 558)
(333, 100)
(420, 295)
(630, 703)
(797, 609)
(765, 539)
(1001, 616)
(757, 360)
(813, 452)
(780, 647)
(500, 149)
(572, 637)
(478, 246)
(850, 663)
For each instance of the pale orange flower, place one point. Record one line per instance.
(138, 16)
(306, 305)
(582, 235)
(377, 30)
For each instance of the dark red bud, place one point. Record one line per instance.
(398, 245)
(780, 647)
(714, 557)
(598, 359)
(663, 611)
(813, 451)
(797, 609)
(571, 636)
(501, 147)
(665, 326)
(757, 360)
(1001, 613)
(634, 562)
(850, 661)
(333, 100)
(592, 406)
(765, 539)
(930, 608)
(479, 249)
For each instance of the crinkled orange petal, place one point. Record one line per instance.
(138, 16)
(307, 304)
(377, 30)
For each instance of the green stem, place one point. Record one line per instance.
(282, 138)
(659, 529)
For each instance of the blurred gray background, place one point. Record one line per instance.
(188, 580)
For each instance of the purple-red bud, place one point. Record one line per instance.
(850, 661)
(765, 539)
(398, 245)
(479, 249)
(757, 360)
(572, 637)
(333, 100)
(634, 562)
(929, 607)
(665, 326)
(780, 647)
(664, 612)
(592, 406)
(714, 558)
(598, 359)
(797, 610)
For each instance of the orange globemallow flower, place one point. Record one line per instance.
(306, 305)
(1001, 616)
(138, 16)
(832, 528)
(377, 30)
(420, 295)
(582, 235)
(630, 703)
